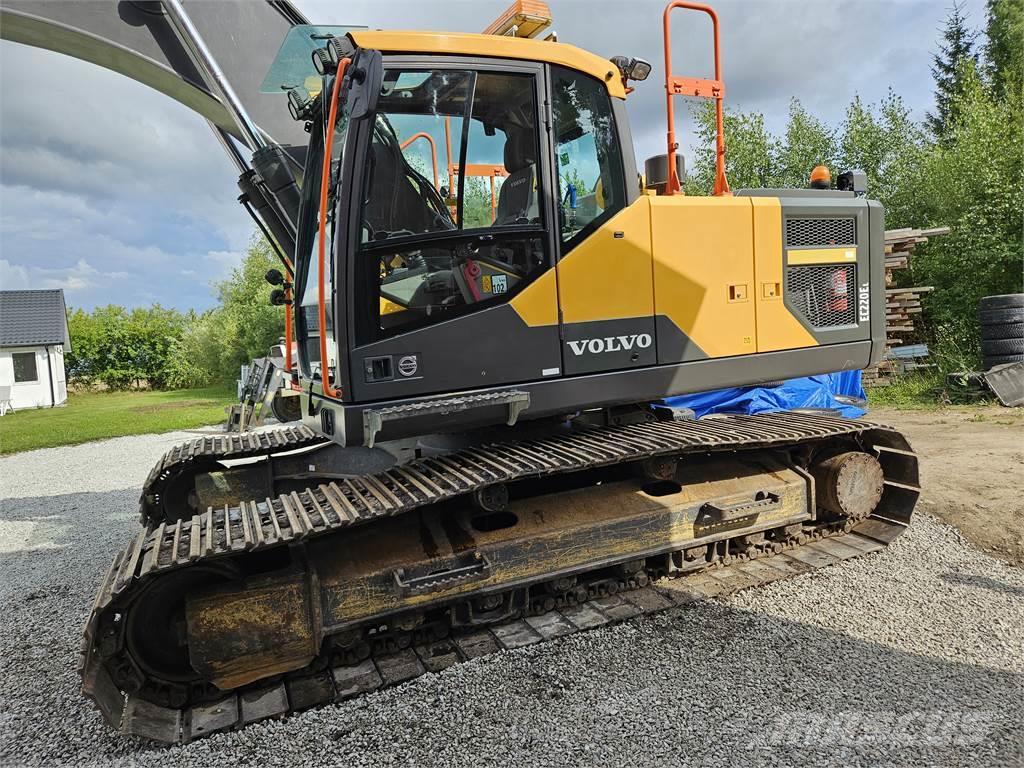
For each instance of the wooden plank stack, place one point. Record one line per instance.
(902, 307)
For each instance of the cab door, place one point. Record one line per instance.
(605, 284)
(451, 288)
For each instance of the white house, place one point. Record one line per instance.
(33, 338)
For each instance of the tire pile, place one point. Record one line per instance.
(1002, 329)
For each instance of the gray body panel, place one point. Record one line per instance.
(567, 395)
(827, 206)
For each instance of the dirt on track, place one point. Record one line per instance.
(972, 471)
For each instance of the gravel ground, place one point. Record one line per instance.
(912, 656)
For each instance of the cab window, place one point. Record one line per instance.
(588, 160)
(451, 210)
(446, 143)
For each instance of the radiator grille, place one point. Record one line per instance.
(824, 294)
(817, 231)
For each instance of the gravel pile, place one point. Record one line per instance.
(912, 656)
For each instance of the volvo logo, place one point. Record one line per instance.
(408, 365)
(611, 344)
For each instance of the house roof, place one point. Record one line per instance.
(28, 318)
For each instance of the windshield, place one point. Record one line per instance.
(292, 67)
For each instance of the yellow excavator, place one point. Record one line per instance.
(486, 456)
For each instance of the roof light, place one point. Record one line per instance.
(632, 69)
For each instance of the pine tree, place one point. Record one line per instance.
(1004, 47)
(955, 53)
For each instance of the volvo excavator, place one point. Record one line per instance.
(486, 456)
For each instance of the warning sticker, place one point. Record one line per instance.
(499, 284)
(485, 284)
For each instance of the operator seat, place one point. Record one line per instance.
(517, 197)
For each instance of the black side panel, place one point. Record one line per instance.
(674, 344)
(602, 345)
(485, 349)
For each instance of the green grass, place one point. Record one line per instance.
(922, 390)
(99, 415)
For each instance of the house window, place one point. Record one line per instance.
(24, 367)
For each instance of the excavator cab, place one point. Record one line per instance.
(456, 185)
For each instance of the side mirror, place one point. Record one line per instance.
(274, 277)
(277, 298)
(364, 87)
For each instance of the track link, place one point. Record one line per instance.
(207, 451)
(218, 535)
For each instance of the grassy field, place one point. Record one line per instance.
(99, 415)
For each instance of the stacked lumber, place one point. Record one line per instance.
(902, 308)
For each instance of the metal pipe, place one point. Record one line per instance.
(433, 150)
(229, 147)
(190, 35)
(325, 185)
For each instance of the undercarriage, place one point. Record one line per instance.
(331, 585)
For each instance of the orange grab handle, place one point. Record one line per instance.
(288, 307)
(325, 179)
(690, 86)
(433, 151)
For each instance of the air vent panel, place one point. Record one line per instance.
(824, 294)
(821, 231)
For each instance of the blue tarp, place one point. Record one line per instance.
(808, 392)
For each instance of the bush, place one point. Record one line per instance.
(163, 348)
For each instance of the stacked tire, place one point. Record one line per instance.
(1002, 329)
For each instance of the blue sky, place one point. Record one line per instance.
(119, 195)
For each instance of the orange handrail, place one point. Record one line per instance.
(433, 150)
(288, 327)
(691, 86)
(325, 179)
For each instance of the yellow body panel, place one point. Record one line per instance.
(537, 304)
(704, 270)
(841, 255)
(465, 44)
(607, 278)
(712, 265)
(777, 328)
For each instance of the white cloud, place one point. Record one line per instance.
(13, 277)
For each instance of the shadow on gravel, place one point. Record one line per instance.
(982, 582)
(705, 684)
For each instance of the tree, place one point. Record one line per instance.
(244, 325)
(888, 146)
(973, 183)
(1004, 47)
(750, 159)
(808, 142)
(948, 71)
(122, 348)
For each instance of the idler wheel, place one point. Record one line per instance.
(848, 485)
